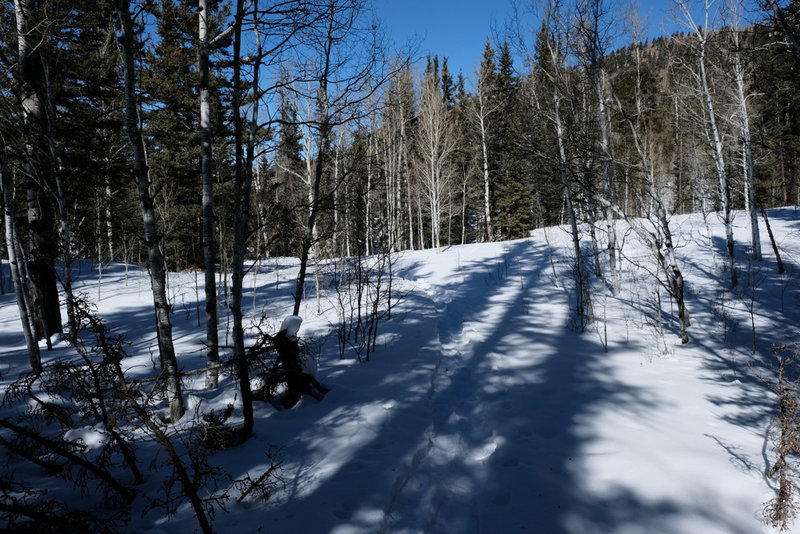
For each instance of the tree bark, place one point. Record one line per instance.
(61, 200)
(660, 241)
(324, 128)
(158, 275)
(781, 268)
(487, 211)
(712, 130)
(607, 161)
(591, 14)
(41, 266)
(242, 185)
(206, 171)
(23, 306)
(719, 162)
(747, 149)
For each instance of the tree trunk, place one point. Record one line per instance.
(242, 186)
(324, 128)
(158, 275)
(590, 213)
(716, 142)
(487, 211)
(41, 266)
(719, 164)
(407, 175)
(206, 171)
(607, 161)
(61, 200)
(584, 304)
(109, 228)
(747, 148)
(18, 280)
(310, 231)
(669, 263)
(464, 208)
(368, 203)
(781, 268)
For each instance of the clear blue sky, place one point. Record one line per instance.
(458, 29)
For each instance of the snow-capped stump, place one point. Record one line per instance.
(291, 324)
(294, 365)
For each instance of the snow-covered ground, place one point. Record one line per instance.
(484, 409)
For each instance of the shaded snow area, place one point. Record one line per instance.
(484, 408)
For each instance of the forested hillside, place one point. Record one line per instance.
(216, 137)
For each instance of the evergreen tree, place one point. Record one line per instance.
(173, 124)
(466, 198)
(539, 144)
(513, 195)
(172, 130)
(448, 85)
(776, 72)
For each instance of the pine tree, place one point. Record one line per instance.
(172, 131)
(513, 197)
(172, 121)
(448, 85)
(465, 161)
(778, 152)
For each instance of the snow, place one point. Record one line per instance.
(484, 409)
(291, 323)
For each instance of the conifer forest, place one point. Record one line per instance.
(273, 158)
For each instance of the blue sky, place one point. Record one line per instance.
(458, 28)
(453, 28)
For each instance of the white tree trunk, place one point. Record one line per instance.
(719, 164)
(482, 114)
(605, 148)
(45, 310)
(20, 290)
(714, 136)
(207, 178)
(747, 149)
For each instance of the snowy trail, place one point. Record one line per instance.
(460, 477)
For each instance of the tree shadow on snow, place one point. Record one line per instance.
(476, 423)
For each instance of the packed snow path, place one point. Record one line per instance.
(494, 329)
